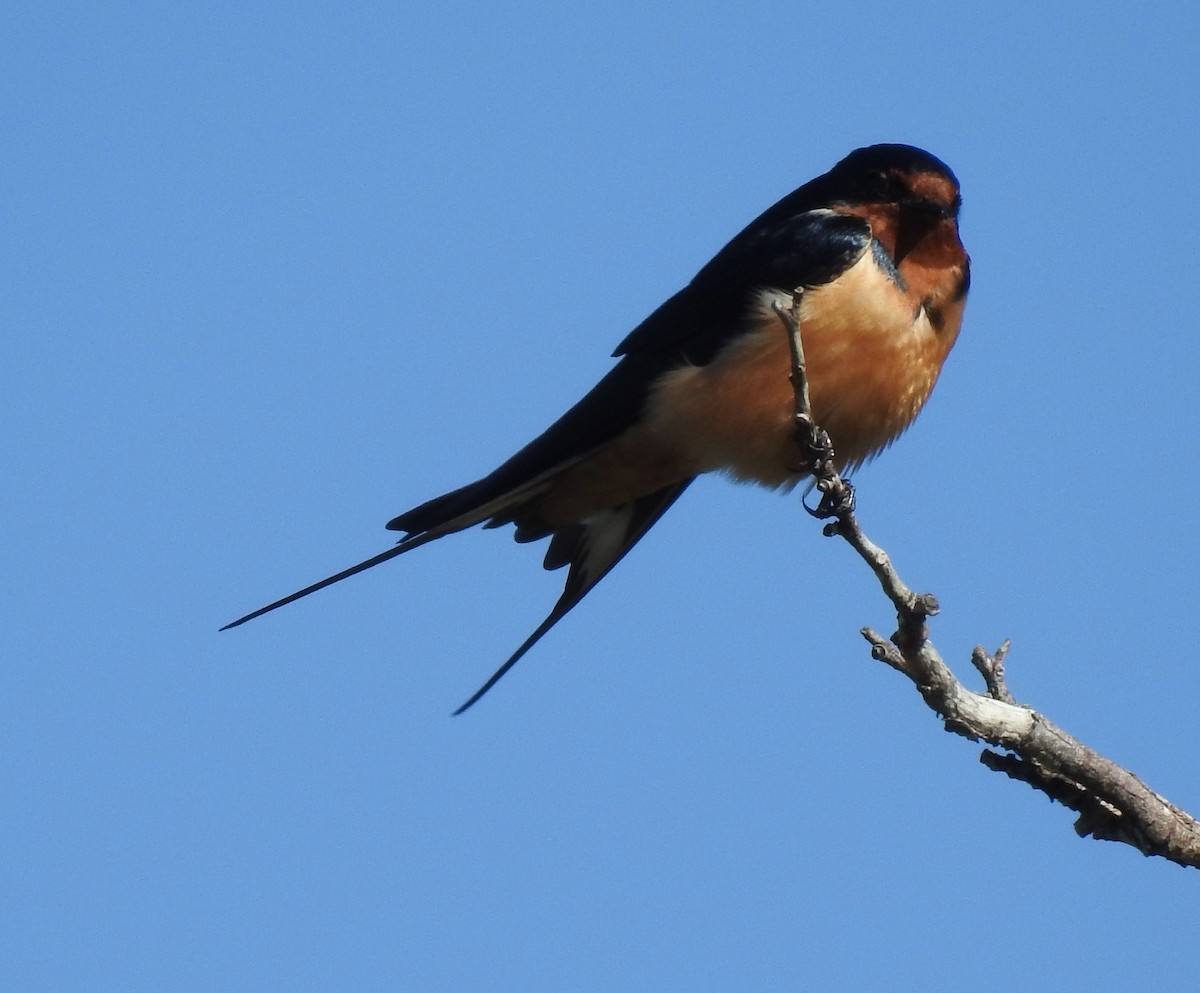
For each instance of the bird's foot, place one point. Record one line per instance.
(837, 498)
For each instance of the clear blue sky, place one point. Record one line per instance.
(273, 275)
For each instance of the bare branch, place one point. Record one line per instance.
(1113, 804)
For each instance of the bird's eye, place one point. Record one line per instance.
(880, 184)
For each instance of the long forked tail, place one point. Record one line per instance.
(591, 547)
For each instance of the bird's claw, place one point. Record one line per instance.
(837, 499)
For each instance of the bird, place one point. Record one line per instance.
(702, 384)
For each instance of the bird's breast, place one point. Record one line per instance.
(872, 356)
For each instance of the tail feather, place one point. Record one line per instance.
(438, 526)
(591, 547)
(406, 545)
(475, 502)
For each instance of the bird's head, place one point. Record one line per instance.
(908, 177)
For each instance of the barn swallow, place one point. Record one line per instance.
(702, 384)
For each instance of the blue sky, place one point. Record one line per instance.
(276, 274)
